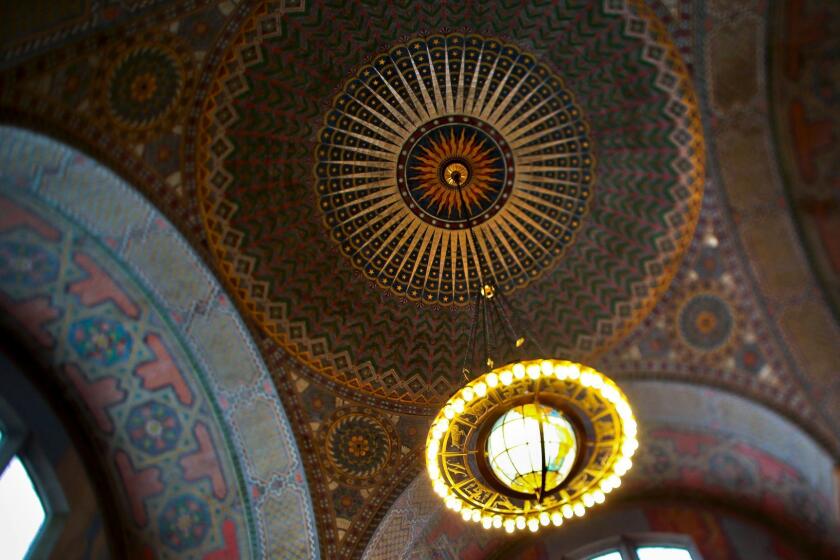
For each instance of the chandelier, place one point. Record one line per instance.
(531, 443)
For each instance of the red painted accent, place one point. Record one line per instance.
(162, 371)
(99, 287)
(33, 314)
(13, 216)
(689, 443)
(826, 216)
(808, 138)
(230, 551)
(770, 467)
(138, 485)
(204, 462)
(98, 395)
(704, 528)
(801, 31)
(783, 551)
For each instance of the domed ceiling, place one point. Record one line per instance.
(271, 133)
(337, 184)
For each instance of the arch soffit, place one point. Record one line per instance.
(147, 344)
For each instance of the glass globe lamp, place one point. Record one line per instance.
(531, 448)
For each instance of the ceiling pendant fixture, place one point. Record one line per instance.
(533, 442)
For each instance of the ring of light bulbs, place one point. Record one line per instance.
(591, 393)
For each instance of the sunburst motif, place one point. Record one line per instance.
(400, 130)
(475, 183)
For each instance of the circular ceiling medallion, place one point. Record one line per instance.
(446, 132)
(357, 445)
(142, 84)
(336, 182)
(706, 322)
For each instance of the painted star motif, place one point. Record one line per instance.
(444, 148)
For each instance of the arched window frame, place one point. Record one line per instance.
(18, 441)
(627, 544)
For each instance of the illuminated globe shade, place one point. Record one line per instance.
(528, 442)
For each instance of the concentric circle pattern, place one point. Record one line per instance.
(491, 109)
(142, 83)
(357, 445)
(578, 151)
(706, 321)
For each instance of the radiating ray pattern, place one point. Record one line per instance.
(437, 99)
(482, 181)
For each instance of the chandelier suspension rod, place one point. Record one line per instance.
(490, 293)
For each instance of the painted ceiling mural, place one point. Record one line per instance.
(201, 455)
(584, 272)
(804, 94)
(303, 149)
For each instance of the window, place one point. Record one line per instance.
(21, 513)
(32, 506)
(615, 555)
(649, 546)
(663, 553)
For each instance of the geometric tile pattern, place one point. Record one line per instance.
(254, 166)
(780, 351)
(98, 302)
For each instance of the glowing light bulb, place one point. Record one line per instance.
(509, 525)
(556, 519)
(628, 448)
(579, 509)
(506, 377)
(468, 394)
(476, 516)
(588, 500)
(466, 513)
(609, 393)
(533, 524)
(533, 371)
(448, 412)
(497, 521)
(624, 411)
(520, 522)
(547, 367)
(486, 521)
(599, 497)
(545, 519)
(434, 471)
(622, 466)
(567, 510)
(480, 389)
(492, 379)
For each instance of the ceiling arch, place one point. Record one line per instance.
(696, 441)
(165, 377)
(737, 316)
